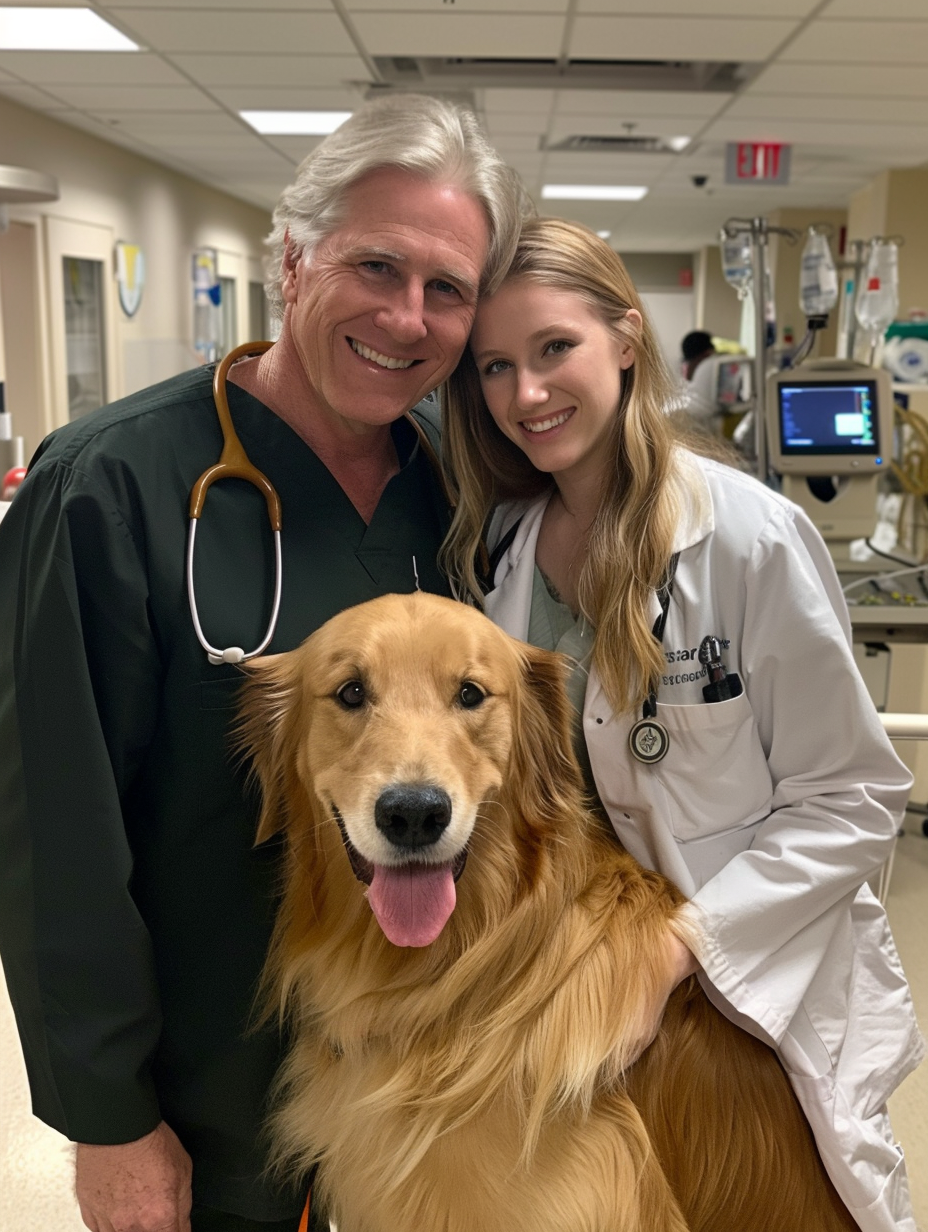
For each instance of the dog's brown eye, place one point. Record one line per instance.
(471, 695)
(352, 694)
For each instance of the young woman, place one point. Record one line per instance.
(729, 736)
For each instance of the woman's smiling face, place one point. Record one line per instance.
(551, 372)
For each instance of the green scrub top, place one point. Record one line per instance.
(134, 909)
(553, 626)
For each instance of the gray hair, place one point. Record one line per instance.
(426, 136)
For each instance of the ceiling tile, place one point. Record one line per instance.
(114, 6)
(507, 144)
(29, 96)
(869, 42)
(699, 8)
(142, 122)
(288, 98)
(461, 34)
(676, 38)
(190, 30)
(909, 143)
(271, 70)
(527, 164)
(294, 148)
(851, 80)
(835, 107)
(915, 10)
(622, 104)
(98, 68)
(128, 98)
(418, 7)
(535, 102)
(500, 123)
(604, 168)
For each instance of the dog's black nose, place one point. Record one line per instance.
(413, 815)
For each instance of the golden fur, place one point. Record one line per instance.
(481, 1083)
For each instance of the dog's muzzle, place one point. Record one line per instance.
(413, 898)
(412, 815)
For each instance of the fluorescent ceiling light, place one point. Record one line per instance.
(59, 29)
(593, 192)
(295, 123)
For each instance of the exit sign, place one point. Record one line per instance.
(757, 162)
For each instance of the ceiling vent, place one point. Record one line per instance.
(625, 144)
(442, 74)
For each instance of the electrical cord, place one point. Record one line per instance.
(882, 577)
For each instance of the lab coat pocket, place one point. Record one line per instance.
(715, 775)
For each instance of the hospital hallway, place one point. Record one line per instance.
(35, 1162)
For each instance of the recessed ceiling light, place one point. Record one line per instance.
(678, 143)
(603, 235)
(59, 29)
(295, 123)
(593, 192)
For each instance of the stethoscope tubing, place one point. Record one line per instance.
(233, 464)
(233, 654)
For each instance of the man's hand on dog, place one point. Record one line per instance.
(141, 1186)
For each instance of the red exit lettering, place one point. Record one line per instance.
(758, 161)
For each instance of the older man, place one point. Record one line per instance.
(134, 909)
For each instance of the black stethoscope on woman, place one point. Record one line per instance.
(649, 740)
(234, 463)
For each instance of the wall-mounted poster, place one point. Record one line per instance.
(130, 276)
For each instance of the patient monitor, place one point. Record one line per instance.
(829, 431)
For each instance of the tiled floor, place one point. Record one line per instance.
(35, 1162)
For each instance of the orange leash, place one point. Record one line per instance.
(304, 1218)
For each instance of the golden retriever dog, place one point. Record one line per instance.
(470, 963)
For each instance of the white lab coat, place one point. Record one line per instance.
(769, 811)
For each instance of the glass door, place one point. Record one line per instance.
(85, 344)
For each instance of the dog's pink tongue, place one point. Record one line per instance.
(412, 903)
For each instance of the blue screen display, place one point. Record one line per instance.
(835, 417)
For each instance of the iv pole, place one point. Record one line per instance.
(759, 231)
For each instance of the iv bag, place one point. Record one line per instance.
(878, 302)
(818, 279)
(737, 264)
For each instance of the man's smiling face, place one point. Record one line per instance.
(380, 311)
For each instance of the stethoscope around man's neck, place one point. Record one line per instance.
(234, 463)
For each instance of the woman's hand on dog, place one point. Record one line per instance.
(681, 963)
(141, 1186)
(684, 961)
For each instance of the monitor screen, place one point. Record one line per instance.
(838, 417)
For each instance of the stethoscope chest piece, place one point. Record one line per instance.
(648, 741)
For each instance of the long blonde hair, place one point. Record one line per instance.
(631, 540)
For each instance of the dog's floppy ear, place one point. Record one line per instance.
(267, 698)
(545, 770)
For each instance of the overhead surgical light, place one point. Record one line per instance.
(59, 29)
(593, 192)
(295, 123)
